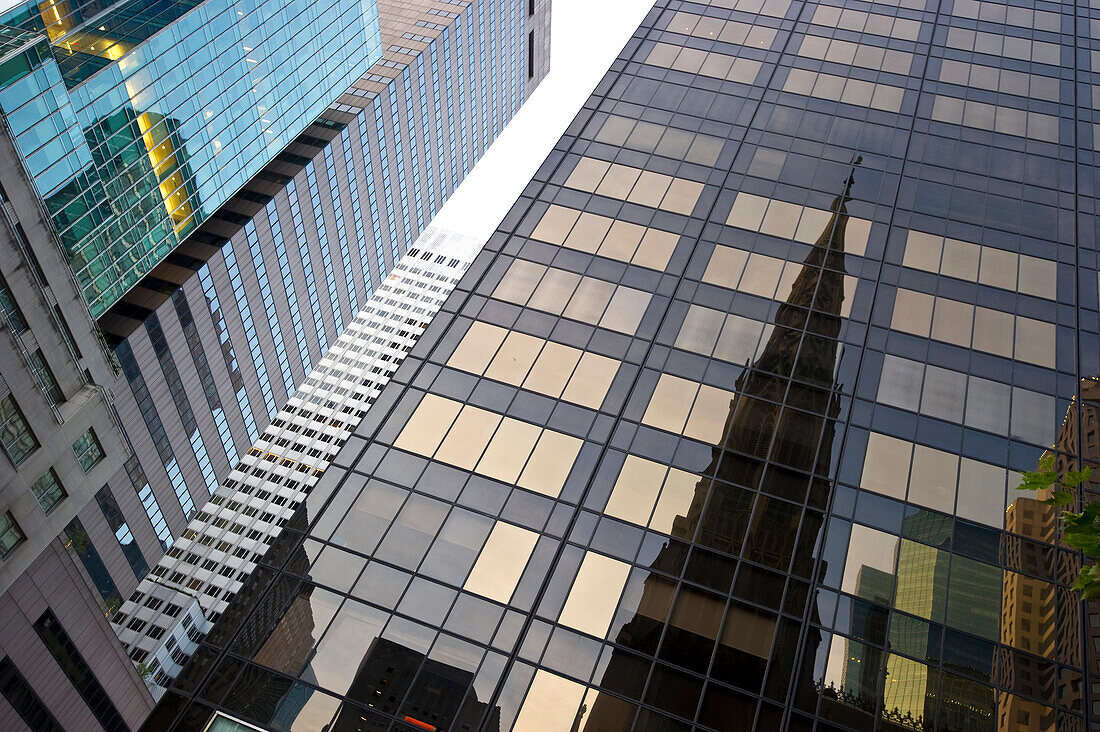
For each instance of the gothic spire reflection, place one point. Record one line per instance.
(706, 605)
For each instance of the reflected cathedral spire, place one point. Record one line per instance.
(760, 499)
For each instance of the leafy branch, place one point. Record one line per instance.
(144, 671)
(1081, 530)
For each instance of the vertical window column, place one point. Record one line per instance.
(289, 287)
(325, 247)
(249, 329)
(307, 267)
(227, 350)
(79, 673)
(269, 306)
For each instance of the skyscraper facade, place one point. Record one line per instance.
(218, 337)
(175, 605)
(723, 428)
(169, 296)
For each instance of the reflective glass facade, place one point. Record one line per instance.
(138, 120)
(723, 428)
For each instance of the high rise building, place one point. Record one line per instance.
(293, 257)
(163, 620)
(734, 401)
(212, 192)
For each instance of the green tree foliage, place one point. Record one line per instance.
(1080, 531)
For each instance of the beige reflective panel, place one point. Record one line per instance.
(468, 437)
(690, 60)
(1033, 416)
(428, 424)
(960, 259)
(953, 322)
(1038, 277)
(501, 562)
(477, 347)
(636, 490)
(900, 383)
(1035, 342)
(675, 500)
(588, 233)
(781, 220)
(923, 251)
(618, 181)
(681, 196)
(812, 222)
(829, 86)
(595, 594)
(800, 81)
(683, 23)
(867, 547)
(552, 369)
(993, 331)
(704, 150)
(856, 233)
(621, 241)
(663, 54)
(587, 175)
(700, 329)
(708, 417)
(507, 452)
(988, 404)
(744, 70)
(761, 275)
(555, 224)
(932, 484)
(625, 310)
(739, 339)
(858, 92)
(554, 290)
(912, 312)
(591, 380)
(519, 281)
(944, 394)
(726, 266)
(748, 629)
(551, 704)
(650, 189)
(748, 211)
(514, 358)
(671, 403)
(590, 300)
(886, 465)
(998, 268)
(550, 463)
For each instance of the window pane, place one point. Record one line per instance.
(47, 491)
(15, 434)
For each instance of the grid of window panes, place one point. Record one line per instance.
(724, 427)
(15, 433)
(116, 115)
(87, 450)
(47, 491)
(277, 262)
(11, 535)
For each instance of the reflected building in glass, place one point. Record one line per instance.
(722, 429)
